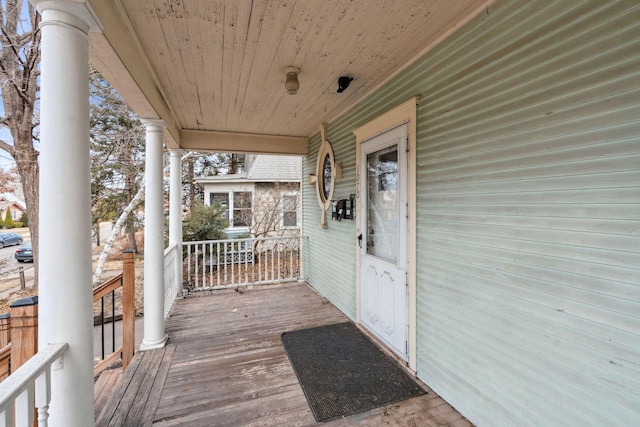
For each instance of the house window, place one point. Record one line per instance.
(223, 200)
(289, 210)
(241, 208)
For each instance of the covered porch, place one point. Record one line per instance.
(248, 110)
(224, 364)
(512, 132)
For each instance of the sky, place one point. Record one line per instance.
(6, 162)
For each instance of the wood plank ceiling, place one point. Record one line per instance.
(220, 65)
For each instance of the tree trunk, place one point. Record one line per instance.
(27, 163)
(19, 70)
(192, 186)
(97, 231)
(114, 232)
(233, 164)
(131, 236)
(129, 184)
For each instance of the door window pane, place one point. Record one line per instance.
(382, 203)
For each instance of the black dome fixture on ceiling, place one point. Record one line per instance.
(343, 83)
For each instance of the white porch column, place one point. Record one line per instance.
(175, 208)
(154, 336)
(65, 311)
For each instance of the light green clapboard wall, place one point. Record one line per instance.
(528, 217)
(330, 253)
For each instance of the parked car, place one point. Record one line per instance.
(24, 253)
(10, 239)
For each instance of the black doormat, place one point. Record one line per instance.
(342, 372)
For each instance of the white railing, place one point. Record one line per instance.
(172, 273)
(29, 388)
(218, 264)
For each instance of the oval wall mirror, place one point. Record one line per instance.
(326, 176)
(326, 173)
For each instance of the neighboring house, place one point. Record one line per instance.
(262, 201)
(15, 205)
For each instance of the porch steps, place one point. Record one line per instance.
(137, 395)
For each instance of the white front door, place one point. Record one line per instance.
(383, 242)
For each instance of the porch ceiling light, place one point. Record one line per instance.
(291, 84)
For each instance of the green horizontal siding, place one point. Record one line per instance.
(529, 166)
(528, 199)
(330, 266)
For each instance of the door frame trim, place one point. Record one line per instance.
(403, 113)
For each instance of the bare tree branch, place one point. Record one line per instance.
(7, 147)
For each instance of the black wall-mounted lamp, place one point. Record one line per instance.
(343, 83)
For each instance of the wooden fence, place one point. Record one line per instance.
(115, 300)
(18, 335)
(19, 327)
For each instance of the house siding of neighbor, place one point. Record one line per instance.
(528, 213)
(15, 206)
(269, 190)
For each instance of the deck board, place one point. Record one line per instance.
(104, 388)
(229, 367)
(135, 401)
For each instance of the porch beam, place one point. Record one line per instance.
(65, 312)
(154, 335)
(234, 142)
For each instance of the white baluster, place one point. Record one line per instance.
(43, 397)
(25, 403)
(6, 418)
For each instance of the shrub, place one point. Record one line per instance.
(8, 220)
(204, 223)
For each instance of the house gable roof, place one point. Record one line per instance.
(8, 199)
(275, 168)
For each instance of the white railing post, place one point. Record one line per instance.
(43, 397)
(301, 259)
(218, 264)
(25, 405)
(172, 256)
(29, 389)
(6, 418)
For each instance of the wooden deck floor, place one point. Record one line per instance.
(225, 366)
